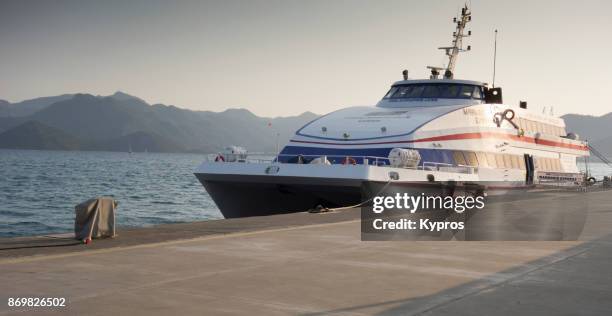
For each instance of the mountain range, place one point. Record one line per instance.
(596, 129)
(121, 122)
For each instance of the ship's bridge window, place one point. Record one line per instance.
(477, 94)
(435, 91)
(391, 92)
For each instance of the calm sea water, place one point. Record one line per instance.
(39, 189)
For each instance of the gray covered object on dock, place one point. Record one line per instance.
(95, 218)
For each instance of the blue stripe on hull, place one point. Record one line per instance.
(336, 155)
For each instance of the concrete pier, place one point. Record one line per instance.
(310, 264)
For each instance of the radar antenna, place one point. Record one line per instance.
(457, 46)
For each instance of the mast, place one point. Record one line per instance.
(457, 45)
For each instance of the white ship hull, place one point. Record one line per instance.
(255, 189)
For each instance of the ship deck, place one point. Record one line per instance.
(311, 264)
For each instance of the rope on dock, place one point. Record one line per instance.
(600, 156)
(323, 209)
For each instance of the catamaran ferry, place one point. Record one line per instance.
(421, 134)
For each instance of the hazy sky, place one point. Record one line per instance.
(279, 58)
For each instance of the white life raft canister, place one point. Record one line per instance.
(404, 158)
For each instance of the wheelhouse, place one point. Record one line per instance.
(435, 90)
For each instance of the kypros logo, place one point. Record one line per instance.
(421, 202)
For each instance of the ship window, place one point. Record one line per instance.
(402, 92)
(466, 92)
(507, 161)
(491, 161)
(432, 91)
(450, 91)
(545, 164)
(527, 125)
(391, 92)
(533, 127)
(499, 159)
(416, 92)
(551, 164)
(470, 158)
(459, 159)
(521, 162)
(515, 162)
(482, 159)
(477, 93)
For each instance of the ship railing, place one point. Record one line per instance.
(348, 160)
(306, 159)
(447, 167)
